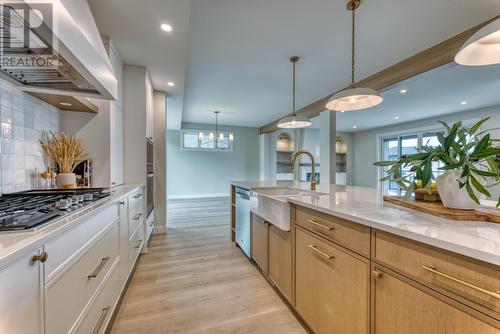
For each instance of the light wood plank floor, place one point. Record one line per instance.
(193, 280)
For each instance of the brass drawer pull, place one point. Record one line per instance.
(138, 244)
(314, 248)
(328, 228)
(42, 257)
(100, 322)
(432, 269)
(99, 267)
(138, 196)
(137, 216)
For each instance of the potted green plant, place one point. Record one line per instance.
(471, 165)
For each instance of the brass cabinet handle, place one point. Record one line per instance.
(41, 258)
(100, 322)
(432, 269)
(122, 202)
(138, 196)
(376, 275)
(138, 244)
(329, 228)
(137, 216)
(98, 269)
(314, 248)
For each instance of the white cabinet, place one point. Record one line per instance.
(149, 109)
(21, 297)
(116, 144)
(102, 133)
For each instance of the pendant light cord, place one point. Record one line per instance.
(293, 89)
(353, 58)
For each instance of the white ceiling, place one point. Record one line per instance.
(232, 55)
(239, 50)
(134, 27)
(435, 93)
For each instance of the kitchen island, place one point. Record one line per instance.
(360, 265)
(67, 275)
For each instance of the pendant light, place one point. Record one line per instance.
(483, 48)
(354, 98)
(295, 121)
(217, 137)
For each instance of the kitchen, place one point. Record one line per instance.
(327, 185)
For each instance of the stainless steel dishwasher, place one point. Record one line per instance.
(243, 219)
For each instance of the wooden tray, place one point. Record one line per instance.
(437, 209)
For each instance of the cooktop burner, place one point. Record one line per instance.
(30, 209)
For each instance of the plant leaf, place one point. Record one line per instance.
(481, 145)
(409, 191)
(445, 125)
(479, 186)
(498, 203)
(490, 152)
(471, 193)
(476, 126)
(452, 166)
(385, 163)
(483, 172)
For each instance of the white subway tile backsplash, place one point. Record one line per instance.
(22, 120)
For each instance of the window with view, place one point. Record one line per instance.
(207, 140)
(395, 146)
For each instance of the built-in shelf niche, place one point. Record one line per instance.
(284, 152)
(341, 157)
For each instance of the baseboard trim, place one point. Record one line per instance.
(174, 197)
(159, 229)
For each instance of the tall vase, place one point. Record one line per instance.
(66, 180)
(451, 195)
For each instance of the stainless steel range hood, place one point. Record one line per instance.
(54, 48)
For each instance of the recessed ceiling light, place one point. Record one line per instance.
(65, 104)
(166, 27)
(342, 111)
(463, 102)
(396, 117)
(403, 91)
(354, 127)
(171, 84)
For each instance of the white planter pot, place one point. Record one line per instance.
(452, 196)
(66, 180)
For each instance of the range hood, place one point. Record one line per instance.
(54, 48)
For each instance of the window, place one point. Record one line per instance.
(206, 140)
(395, 146)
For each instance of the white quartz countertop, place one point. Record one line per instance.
(478, 240)
(14, 245)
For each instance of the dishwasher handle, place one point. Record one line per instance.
(243, 194)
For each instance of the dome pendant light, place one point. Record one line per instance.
(354, 98)
(295, 121)
(483, 48)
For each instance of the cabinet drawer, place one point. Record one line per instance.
(135, 246)
(63, 250)
(332, 287)
(348, 234)
(469, 281)
(135, 211)
(80, 281)
(97, 316)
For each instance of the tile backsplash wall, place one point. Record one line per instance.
(22, 119)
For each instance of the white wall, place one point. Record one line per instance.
(366, 144)
(198, 173)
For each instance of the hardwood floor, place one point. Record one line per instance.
(193, 280)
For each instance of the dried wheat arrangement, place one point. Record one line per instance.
(64, 150)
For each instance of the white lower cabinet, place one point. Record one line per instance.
(80, 281)
(21, 297)
(72, 284)
(98, 314)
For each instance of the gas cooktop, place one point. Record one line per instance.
(28, 210)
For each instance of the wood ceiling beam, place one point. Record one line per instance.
(436, 56)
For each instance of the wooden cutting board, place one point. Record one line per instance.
(437, 209)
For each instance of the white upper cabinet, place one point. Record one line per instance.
(149, 109)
